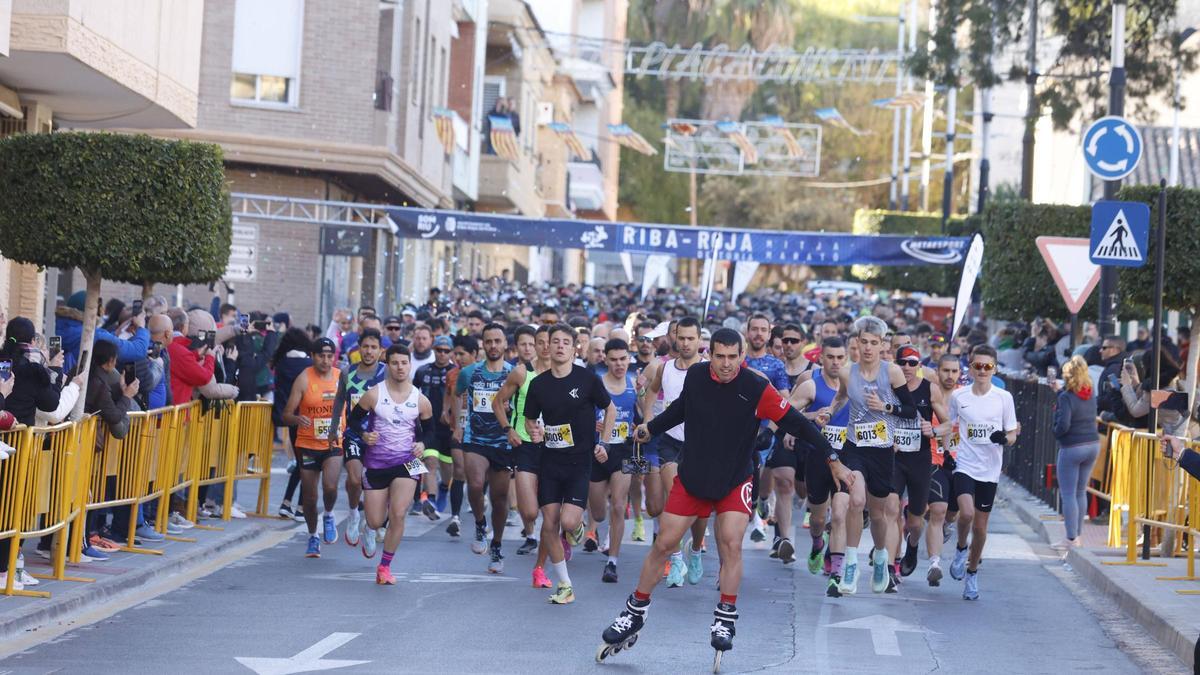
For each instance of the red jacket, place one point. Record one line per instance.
(187, 371)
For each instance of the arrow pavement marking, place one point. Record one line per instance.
(306, 661)
(883, 632)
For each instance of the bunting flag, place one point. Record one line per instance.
(631, 139)
(734, 132)
(911, 100)
(443, 122)
(834, 118)
(684, 128)
(568, 136)
(785, 134)
(504, 138)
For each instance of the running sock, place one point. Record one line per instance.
(729, 599)
(818, 540)
(386, 560)
(640, 596)
(935, 559)
(778, 534)
(456, 498)
(961, 548)
(851, 555)
(560, 571)
(835, 562)
(612, 559)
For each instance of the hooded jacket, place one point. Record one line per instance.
(68, 324)
(187, 372)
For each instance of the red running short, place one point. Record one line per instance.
(680, 503)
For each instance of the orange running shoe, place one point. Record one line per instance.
(102, 544)
(539, 578)
(383, 576)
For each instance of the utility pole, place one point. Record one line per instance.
(896, 114)
(985, 99)
(948, 176)
(1116, 106)
(908, 112)
(927, 120)
(1031, 107)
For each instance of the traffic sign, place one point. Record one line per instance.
(1112, 148)
(243, 250)
(1075, 275)
(1120, 233)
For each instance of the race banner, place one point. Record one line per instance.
(681, 241)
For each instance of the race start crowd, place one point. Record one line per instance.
(585, 407)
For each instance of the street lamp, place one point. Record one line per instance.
(1173, 175)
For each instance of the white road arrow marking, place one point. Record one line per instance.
(883, 632)
(306, 661)
(1094, 145)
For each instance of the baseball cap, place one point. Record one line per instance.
(906, 352)
(324, 345)
(392, 320)
(937, 339)
(408, 312)
(660, 330)
(443, 341)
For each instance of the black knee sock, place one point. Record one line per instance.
(456, 497)
(292, 484)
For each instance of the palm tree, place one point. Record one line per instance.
(759, 24)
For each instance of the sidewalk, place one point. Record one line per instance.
(127, 572)
(1172, 619)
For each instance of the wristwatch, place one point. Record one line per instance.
(888, 408)
(833, 457)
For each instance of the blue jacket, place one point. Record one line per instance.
(68, 326)
(1074, 419)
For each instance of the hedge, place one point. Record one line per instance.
(1182, 277)
(130, 208)
(1015, 281)
(935, 279)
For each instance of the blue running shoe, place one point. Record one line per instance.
(959, 567)
(971, 586)
(849, 585)
(330, 528)
(676, 575)
(314, 547)
(695, 567)
(95, 554)
(442, 501)
(879, 570)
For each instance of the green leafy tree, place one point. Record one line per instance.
(125, 208)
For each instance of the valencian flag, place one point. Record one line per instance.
(504, 138)
(443, 122)
(567, 134)
(833, 117)
(909, 100)
(734, 132)
(793, 146)
(684, 128)
(631, 139)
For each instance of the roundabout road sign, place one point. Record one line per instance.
(1112, 148)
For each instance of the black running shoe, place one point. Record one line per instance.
(893, 582)
(610, 573)
(909, 562)
(831, 590)
(775, 548)
(528, 547)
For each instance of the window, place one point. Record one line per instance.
(493, 88)
(266, 52)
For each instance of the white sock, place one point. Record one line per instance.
(851, 555)
(560, 571)
(328, 512)
(935, 559)
(612, 559)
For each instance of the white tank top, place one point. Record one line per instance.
(672, 386)
(396, 425)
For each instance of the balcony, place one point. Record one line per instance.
(587, 186)
(509, 186)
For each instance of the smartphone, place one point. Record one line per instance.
(55, 345)
(244, 321)
(136, 308)
(1051, 373)
(5, 370)
(129, 373)
(154, 351)
(200, 340)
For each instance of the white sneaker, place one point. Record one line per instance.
(179, 521)
(16, 583)
(236, 511)
(25, 578)
(43, 553)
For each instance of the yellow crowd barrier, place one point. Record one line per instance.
(59, 474)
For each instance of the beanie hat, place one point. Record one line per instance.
(77, 300)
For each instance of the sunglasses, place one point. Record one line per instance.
(394, 327)
(985, 367)
(791, 341)
(912, 363)
(645, 338)
(443, 350)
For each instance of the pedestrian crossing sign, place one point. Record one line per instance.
(1120, 233)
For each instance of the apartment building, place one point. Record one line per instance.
(91, 64)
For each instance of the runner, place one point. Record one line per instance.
(310, 409)
(485, 442)
(433, 379)
(610, 478)
(720, 406)
(351, 386)
(668, 378)
(987, 415)
(526, 453)
(758, 333)
(815, 396)
(914, 463)
(397, 415)
(877, 397)
(565, 398)
(795, 364)
(943, 511)
(454, 414)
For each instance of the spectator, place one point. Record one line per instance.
(1110, 404)
(112, 315)
(36, 383)
(1078, 445)
(291, 358)
(159, 364)
(1143, 340)
(1039, 348)
(1135, 391)
(68, 324)
(191, 364)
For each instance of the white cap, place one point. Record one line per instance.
(660, 330)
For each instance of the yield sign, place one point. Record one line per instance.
(1073, 271)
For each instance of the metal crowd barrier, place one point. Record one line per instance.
(61, 473)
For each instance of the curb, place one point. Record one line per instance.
(92, 595)
(1030, 509)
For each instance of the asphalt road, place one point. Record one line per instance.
(278, 612)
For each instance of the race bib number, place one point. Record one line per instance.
(620, 432)
(558, 436)
(481, 401)
(354, 399)
(321, 427)
(415, 467)
(979, 433)
(835, 435)
(872, 435)
(907, 440)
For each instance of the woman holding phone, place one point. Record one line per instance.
(1078, 445)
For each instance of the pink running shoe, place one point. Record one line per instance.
(383, 576)
(539, 578)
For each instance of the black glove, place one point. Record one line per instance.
(998, 437)
(764, 439)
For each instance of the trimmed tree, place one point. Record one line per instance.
(125, 208)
